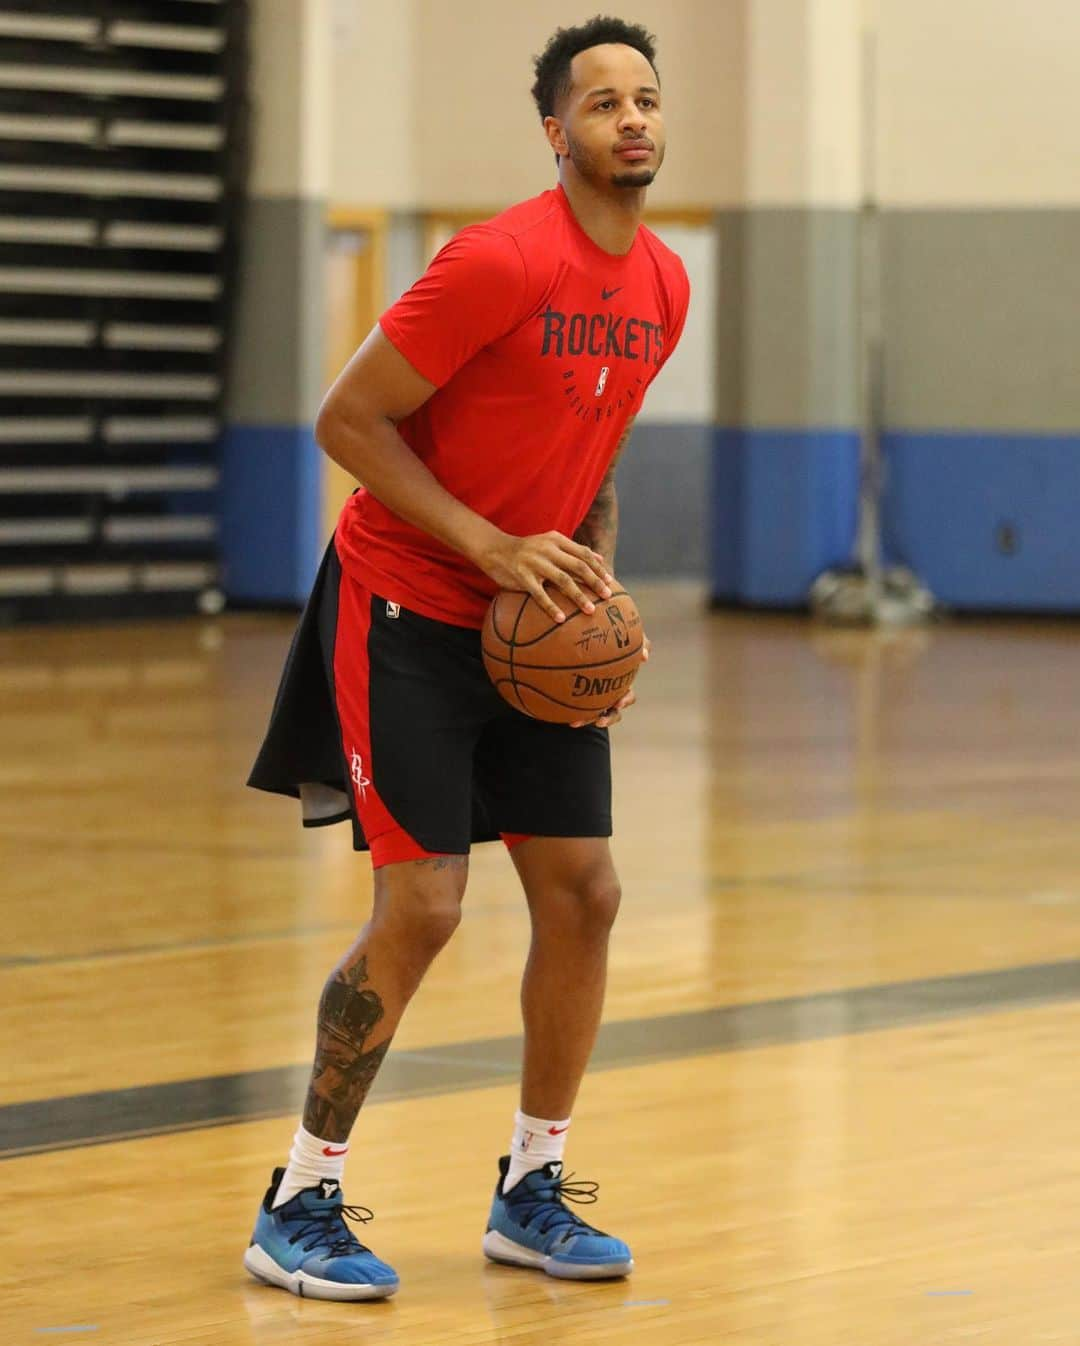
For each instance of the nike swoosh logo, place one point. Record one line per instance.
(557, 1130)
(332, 1153)
(608, 294)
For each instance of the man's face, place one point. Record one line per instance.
(611, 126)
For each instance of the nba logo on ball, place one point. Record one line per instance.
(618, 626)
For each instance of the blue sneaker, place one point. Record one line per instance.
(529, 1226)
(305, 1246)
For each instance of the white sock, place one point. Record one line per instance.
(536, 1142)
(311, 1159)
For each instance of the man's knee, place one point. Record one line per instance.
(599, 894)
(421, 903)
(585, 902)
(570, 883)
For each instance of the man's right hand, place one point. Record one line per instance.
(528, 563)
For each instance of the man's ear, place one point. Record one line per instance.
(556, 135)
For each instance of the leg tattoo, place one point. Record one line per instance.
(343, 1071)
(442, 862)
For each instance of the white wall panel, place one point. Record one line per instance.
(684, 390)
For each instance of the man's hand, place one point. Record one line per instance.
(614, 715)
(528, 563)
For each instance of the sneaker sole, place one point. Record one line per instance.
(263, 1267)
(498, 1248)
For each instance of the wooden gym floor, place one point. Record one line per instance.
(836, 1096)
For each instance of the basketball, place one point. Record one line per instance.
(562, 671)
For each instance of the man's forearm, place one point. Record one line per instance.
(599, 528)
(375, 454)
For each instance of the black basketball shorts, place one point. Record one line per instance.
(387, 718)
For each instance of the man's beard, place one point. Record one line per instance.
(642, 178)
(630, 179)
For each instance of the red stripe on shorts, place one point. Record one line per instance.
(389, 842)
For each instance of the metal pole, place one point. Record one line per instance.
(866, 593)
(868, 291)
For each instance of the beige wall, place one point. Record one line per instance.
(980, 102)
(482, 140)
(977, 100)
(290, 98)
(442, 89)
(802, 113)
(375, 103)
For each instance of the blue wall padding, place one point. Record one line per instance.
(271, 513)
(987, 520)
(784, 508)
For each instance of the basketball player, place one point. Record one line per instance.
(484, 415)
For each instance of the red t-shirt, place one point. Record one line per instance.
(541, 346)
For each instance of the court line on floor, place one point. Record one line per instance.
(43, 1125)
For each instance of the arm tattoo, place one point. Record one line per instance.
(343, 1071)
(600, 526)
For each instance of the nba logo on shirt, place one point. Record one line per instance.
(393, 609)
(603, 379)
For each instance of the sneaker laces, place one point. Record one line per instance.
(545, 1204)
(328, 1229)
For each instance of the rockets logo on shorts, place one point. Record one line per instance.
(356, 770)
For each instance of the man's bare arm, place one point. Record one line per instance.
(600, 527)
(357, 427)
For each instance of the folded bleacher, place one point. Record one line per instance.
(122, 129)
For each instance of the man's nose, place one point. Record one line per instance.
(632, 118)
